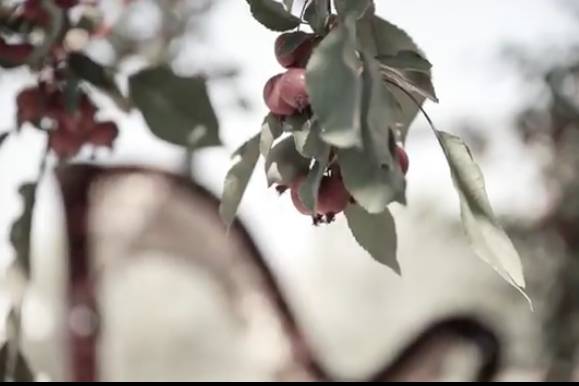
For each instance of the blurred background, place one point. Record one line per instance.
(506, 74)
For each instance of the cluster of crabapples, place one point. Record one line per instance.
(66, 113)
(68, 129)
(285, 94)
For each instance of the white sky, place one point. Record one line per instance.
(461, 38)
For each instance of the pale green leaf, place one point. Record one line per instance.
(381, 114)
(238, 178)
(413, 81)
(288, 4)
(310, 187)
(380, 39)
(308, 141)
(356, 9)
(272, 15)
(294, 122)
(371, 185)
(284, 163)
(271, 129)
(376, 233)
(489, 240)
(317, 14)
(407, 60)
(334, 85)
(176, 109)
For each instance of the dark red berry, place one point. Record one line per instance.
(103, 134)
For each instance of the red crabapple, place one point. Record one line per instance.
(15, 53)
(332, 196)
(64, 144)
(103, 134)
(293, 88)
(272, 97)
(402, 158)
(299, 56)
(29, 103)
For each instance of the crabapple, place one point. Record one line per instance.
(30, 105)
(272, 97)
(293, 88)
(299, 56)
(402, 158)
(64, 144)
(15, 53)
(103, 134)
(332, 196)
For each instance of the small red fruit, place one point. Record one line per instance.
(272, 97)
(300, 55)
(30, 105)
(332, 196)
(295, 194)
(402, 158)
(64, 144)
(80, 120)
(14, 53)
(293, 88)
(103, 134)
(66, 3)
(87, 107)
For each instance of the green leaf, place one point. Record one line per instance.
(294, 122)
(380, 39)
(489, 240)
(308, 141)
(334, 87)
(288, 4)
(238, 178)
(413, 81)
(407, 60)
(103, 78)
(356, 9)
(376, 233)
(13, 366)
(273, 15)
(20, 233)
(283, 163)
(176, 109)
(380, 110)
(372, 186)
(370, 173)
(271, 129)
(317, 14)
(311, 186)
